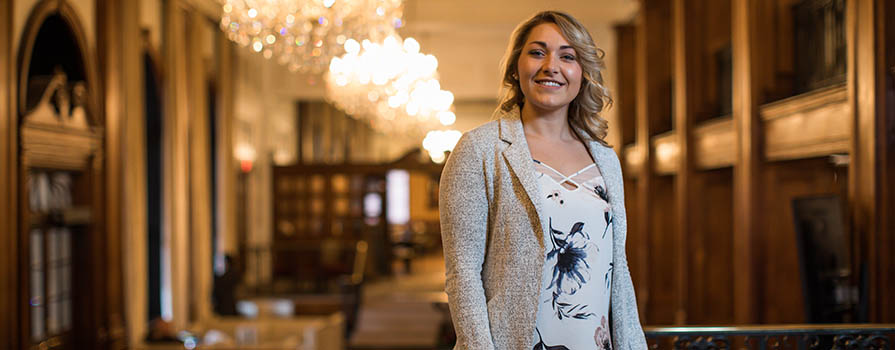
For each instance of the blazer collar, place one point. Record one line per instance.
(519, 157)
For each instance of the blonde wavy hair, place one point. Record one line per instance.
(584, 110)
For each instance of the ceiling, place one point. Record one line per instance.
(458, 13)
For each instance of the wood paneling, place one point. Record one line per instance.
(175, 156)
(200, 173)
(705, 31)
(710, 248)
(8, 239)
(626, 45)
(663, 298)
(781, 287)
(655, 41)
(869, 191)
(134, 206)
(633, 159)
(227, 168)
(114, 89)
(735, 245)
(714, 144)
(887, 208)
(665, 153)
(809, 125)
(653, 91)
(749, 63)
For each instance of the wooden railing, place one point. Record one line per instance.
(796, 337)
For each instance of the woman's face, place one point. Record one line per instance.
(548, 69)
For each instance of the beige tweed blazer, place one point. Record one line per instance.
(493, 229)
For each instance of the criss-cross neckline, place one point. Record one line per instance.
(567, 178)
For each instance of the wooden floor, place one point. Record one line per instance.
(401, 312)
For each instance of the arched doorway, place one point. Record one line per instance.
(60, 191)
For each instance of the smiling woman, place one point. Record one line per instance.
(532, 206)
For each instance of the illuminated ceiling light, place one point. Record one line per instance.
(325, 24)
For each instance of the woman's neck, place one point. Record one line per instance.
(553, 124)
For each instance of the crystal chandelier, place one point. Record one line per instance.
(391, 84)
(438, 142)
(306, 34)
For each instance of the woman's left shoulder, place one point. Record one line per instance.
(606, 152)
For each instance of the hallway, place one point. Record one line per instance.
(401, 312)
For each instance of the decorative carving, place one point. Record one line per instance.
(702, 343)
(771, 337)
(61, 106)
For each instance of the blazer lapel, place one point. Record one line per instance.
(519, 158)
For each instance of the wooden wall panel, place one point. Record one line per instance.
(742, 247)
(8, 239)
(714, 144)
(707, 31)
(657, 39)
(711, 269)
(781, 289)
(625, 100)
(869, 90)
(666, 153)
(176, 160)
(200, 204)
(663, 298)
(109, 273)
(752, 40)
(888, 206)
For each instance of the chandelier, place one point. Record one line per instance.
(391, 84)
(305, 35)
(438, 142)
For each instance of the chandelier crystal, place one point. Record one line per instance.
(392, 84)
(305, 35)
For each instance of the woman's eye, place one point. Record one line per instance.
(536, 53)
(569, 57)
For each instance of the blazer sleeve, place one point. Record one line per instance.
(627, 333)
(463, 207)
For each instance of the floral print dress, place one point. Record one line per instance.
(573, 307)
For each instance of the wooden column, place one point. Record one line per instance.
(109, 47)
(869, 174)
(8, 239)
(200, 174)
(747, 69)
(176, 228)
(227, 168)
(655, 193)
(683, 126)
(134, 202)
(887, 10)
(642, 142)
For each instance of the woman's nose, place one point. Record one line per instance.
(549, 65)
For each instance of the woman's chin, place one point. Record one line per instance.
(548, 105)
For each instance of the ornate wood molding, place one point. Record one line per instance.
(38, 15)
(45, 146)
(714, 144)
(814, 124)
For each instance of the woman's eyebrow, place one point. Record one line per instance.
(544, 45)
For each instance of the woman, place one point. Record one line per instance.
(532, 206)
